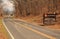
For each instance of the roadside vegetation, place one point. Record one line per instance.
(3, 32)
(33, 11)
(38, 21)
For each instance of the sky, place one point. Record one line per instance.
(8, 5)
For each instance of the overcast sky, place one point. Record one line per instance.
(8, 5)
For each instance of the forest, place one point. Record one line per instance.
(36, 7)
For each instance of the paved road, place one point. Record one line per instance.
(23, 30)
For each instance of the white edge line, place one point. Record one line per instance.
(8, 30)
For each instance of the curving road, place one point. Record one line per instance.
(22, 30)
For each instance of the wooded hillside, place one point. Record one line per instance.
(36, 7)
(1, 11)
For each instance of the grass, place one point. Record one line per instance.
(3, 32)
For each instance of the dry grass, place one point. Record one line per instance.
(38, 20)
(3, 32)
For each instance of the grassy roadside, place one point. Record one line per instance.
(38, 20)
(3, 32)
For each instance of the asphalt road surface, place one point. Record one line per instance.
(22, 30)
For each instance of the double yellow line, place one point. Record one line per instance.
(40, 33)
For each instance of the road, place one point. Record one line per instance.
(22, 30)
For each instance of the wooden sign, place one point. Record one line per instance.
(49, 18)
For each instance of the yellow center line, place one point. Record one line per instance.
(40, 33)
